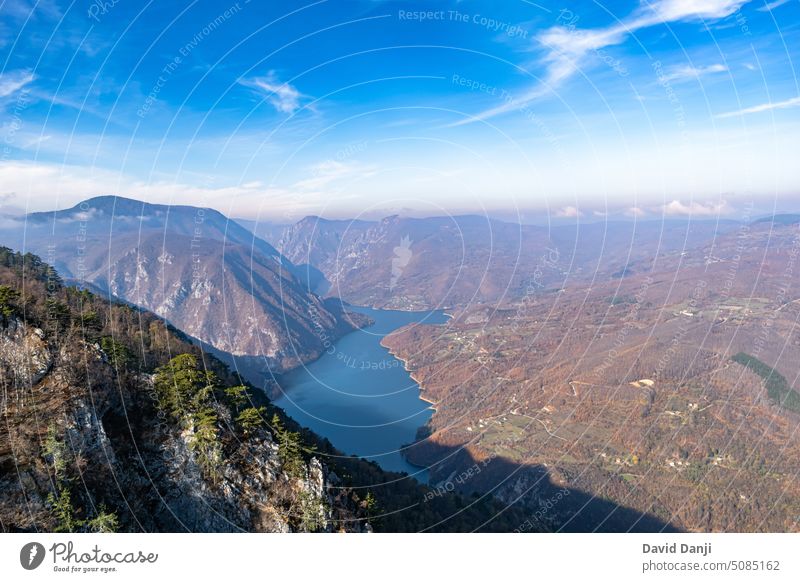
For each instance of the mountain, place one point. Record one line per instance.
(415, 264)
(781, 219)
(86, 383)
(193, 266)
(112, 420)
(423, 263)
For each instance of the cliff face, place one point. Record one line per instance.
(24, 353)
(205, 274)
(87, 443)
(241, 303)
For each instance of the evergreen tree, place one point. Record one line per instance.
(205, 441)
(55, 451)
(371, 505)
(251, 419)
(238, 397)
(182, 387)
(8, 302)
(289, 449)
(118, 354)
(61, 505)
(103, 522)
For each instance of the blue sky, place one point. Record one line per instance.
(280, 109)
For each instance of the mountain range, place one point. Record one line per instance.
(448, 262)
(639, 368)
(193, 266)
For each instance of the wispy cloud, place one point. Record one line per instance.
(12, 82)
(793, 102)
(568, 49)
(329, 171)
(687, 73)
(283, 96)
(772, 5)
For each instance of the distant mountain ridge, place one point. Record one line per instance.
(424, 263)
(415, 263)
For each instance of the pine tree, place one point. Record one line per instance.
(251, 419)
(55, 451)
(238, 397)
(371, 505)
(182, 387)
(289, 449)
(8, 302)
(61, 504)
(103, 522)
(118, 354)
(205, 441)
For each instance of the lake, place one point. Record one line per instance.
(359, 396)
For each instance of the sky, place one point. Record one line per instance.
(364, 108)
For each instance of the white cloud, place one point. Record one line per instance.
(12, 82)
(569, 49)
(772, 5)
(689, 72)
(635, 211)
(283, 96)
(793, 102)
(568, 212)
(673, 10)
(678, 208)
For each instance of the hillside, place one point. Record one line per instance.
(424, 263)
(671, 390)
(202, 272)
(113, 421)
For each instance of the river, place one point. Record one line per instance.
(361, 397)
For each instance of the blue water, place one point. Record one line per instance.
(359, 396)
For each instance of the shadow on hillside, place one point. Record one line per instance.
(530, 489)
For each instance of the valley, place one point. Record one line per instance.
(672, 390)
(361, 397)
(630, 371)
(632, 362)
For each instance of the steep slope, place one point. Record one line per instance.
(204, 273)
(113, 421)
(91, 441)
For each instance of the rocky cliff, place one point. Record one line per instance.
(89, 443)
(192, 266)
